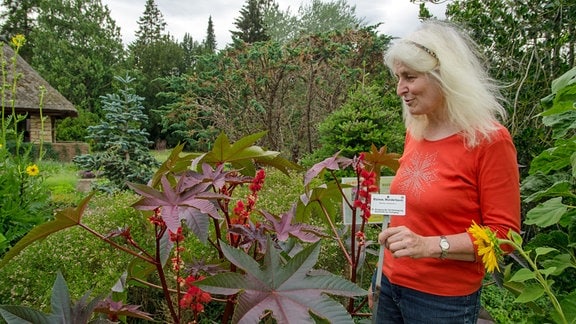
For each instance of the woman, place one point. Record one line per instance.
(458, 167)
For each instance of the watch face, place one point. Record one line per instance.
(444, 244)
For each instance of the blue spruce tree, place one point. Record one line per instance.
(120, 142)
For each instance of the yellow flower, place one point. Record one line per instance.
(32, 170)
(18, 41)
(488, 246)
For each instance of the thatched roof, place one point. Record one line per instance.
(28, 90)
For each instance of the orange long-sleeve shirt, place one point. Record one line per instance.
(447, 186)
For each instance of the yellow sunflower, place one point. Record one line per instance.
(32, 170)
(488, 246)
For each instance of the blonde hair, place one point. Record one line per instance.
(450, 57)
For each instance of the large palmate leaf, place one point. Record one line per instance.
(174, 164)
(173, 201)
(283, 227)
(66, 218)
(291, 291)
(379, 158)
(244, 155)
(333, 163)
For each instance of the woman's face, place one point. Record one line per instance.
(420, 93)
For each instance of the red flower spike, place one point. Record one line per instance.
(195, 298)
(258, 181)
(178, 236)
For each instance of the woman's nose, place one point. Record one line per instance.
(401, 88)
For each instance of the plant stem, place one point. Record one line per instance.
(114, 244)
(163, 282)
(541, 280)
(338, 238)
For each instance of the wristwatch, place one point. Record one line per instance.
(444, 246)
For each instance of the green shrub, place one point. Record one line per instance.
(366, 118)
(76, 129)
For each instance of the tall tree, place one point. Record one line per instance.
(151, 29)
(281, 26)
(250, 24)
(191, 49)
(319, 17)
(151, 25)
(77, 49)
(313, 18)
(153, 55)
(18, 17)
(210, 41)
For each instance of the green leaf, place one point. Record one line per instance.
(560, 188)
(573, 164)
(64, 219)
(138, 269)
(223, 151)
(568, 304)
(328, 196)
(515, 237)
(558, 84)
(289, 290)
(544, 250)
(173, 164)
(547, 271)
(564, 80)
(555, 158)
(547, 213)
(523, 275)
(560, 263)
(564, 122)
(529, 294)
(244, 155)
(516, 289)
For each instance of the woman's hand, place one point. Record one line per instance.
(402, 242)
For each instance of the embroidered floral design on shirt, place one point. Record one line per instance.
(418, 174)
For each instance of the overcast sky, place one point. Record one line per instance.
(191, 16)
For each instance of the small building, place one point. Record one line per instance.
(28, 97)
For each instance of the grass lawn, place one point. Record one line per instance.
(62, 178)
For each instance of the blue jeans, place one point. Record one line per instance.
(398, 304)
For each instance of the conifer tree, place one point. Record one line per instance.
(120, 149)
(250, 24)
(151, 25)
(154, 55)
(210, 41)
(191, 49)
